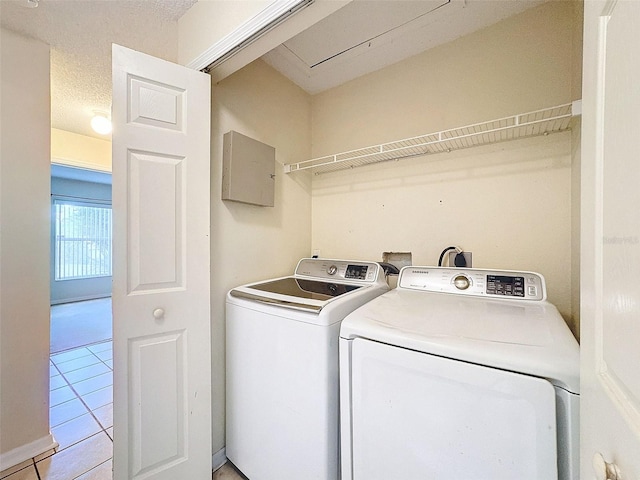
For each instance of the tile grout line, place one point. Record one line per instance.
(35, 467)
(90, 411)
(73, 445)
(59, 354)
(70, 385)
(67, 350)
(79, 397)
(86, 347)
(93, 468)
(57, 369)
(32, 464)
(84, 366)
(63, 360)
(84, 379)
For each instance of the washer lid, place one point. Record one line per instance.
(295, 292)
(305, 288)
(316, 283)
(520, 336)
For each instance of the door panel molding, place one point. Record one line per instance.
(617, 244)
(156, 104)
(158, 366)
(156, 246)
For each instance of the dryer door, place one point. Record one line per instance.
(416, 415)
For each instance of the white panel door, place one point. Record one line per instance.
(161, 334)
(610, 314)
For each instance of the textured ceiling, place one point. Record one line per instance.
(80, 33)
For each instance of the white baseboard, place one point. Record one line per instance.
(219, 458)
(26, 452)
(79, 299)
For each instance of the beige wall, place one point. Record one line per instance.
(250, 243)
(208, 21)
(24, 249)
(521, 64)
(509, 204)
(68, 148)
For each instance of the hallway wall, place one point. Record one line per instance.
(24, 249)
(75, 150)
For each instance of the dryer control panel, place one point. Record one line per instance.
(340, 270)
(504, 284)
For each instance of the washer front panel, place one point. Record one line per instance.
(416, 415)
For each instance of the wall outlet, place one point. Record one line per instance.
(452, 258)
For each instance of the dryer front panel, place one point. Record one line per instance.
(415, 415)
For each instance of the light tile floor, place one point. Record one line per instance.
(81, 420)
(228, 472)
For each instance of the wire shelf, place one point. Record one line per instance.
(530, 124)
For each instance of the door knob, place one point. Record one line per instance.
(158, 313)
(605, 470)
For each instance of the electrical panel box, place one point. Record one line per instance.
(248, 170)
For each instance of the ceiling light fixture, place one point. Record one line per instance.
(101, 124)
(32, 3)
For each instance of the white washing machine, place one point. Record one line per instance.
(459, 374)
(282, 419)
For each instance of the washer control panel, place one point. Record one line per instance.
(340, 270)
(507, 284)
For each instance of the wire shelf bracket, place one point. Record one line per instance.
(539, 122)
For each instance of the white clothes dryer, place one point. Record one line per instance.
(282, 401)
(459, 374)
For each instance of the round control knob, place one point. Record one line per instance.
(332, 270)
(158, 313)
(461, 282)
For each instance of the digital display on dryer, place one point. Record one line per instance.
(356, 272)
(505, 285)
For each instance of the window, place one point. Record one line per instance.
(82, 239)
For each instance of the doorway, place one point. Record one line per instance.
(81, 258)
(81, 349)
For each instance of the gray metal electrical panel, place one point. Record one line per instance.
(248, 170)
